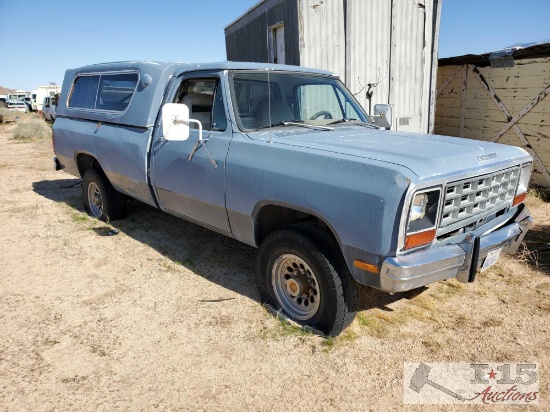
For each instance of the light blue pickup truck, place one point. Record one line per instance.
(283, 158)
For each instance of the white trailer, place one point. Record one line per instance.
(38, 95)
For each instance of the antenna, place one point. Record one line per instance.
(370, 92)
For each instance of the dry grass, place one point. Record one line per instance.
(373, 325)
(491, 323)
(544, 306)
(32, 127)
(540, 193)
(284, 328)
(13, 116)
(6, 115)
(384, 324)
(450, 288)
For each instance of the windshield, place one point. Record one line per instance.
(261, 100)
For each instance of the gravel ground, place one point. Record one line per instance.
(165, 315)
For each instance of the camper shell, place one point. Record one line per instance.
(152, 80)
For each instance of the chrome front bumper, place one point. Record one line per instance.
(460, 261)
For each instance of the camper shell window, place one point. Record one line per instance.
(104, 92)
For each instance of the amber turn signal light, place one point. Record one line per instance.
(519, 198)
(366, 266)
(419, 239)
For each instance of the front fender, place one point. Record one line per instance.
(359, 199)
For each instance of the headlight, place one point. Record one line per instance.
(422, 222)
(521, 191)
(418, 208)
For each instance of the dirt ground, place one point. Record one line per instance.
(165, 315)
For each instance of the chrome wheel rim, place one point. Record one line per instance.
(95, 200)
(296, 287)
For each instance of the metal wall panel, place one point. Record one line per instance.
(407, 64)
(322, 36)
(388, 43)
(368, 49)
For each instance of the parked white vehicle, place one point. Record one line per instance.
(48, 108)
(17, 106)
(18, 95)
(28, 102)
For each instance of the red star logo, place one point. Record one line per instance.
(492, 374)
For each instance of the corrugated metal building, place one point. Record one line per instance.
(389, 44)
(501, 97)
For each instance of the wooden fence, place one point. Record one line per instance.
(477, 98)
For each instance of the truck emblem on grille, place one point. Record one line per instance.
(484, 158)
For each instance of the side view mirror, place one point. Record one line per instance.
(175, 122)
(382, 115)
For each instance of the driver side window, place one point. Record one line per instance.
(204, 98)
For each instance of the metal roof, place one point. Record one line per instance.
(517, 51)
(253, 12)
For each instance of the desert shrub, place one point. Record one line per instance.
(32, 115)
(32, 128)
(5, 114)
(13, 115)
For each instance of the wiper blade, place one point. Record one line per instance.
(299, 123)
(355, 122)
(267, 126)
(309, 126)
(344, 120)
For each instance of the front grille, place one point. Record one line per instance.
(467, 198)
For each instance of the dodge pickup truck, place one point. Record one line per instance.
(284, 158)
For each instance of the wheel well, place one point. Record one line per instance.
(274, 217)
(84, 161)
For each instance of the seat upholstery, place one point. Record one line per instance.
(280, 112)
(200, 108)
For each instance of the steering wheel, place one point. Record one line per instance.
(325, 113)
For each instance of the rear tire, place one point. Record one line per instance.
(101, 200)
(301, 274)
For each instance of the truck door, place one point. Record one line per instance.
(195, 187)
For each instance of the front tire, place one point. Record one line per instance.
(101, 200)
(301, 274)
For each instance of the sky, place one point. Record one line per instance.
(41, 39)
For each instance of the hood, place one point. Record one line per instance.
(425, 155)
